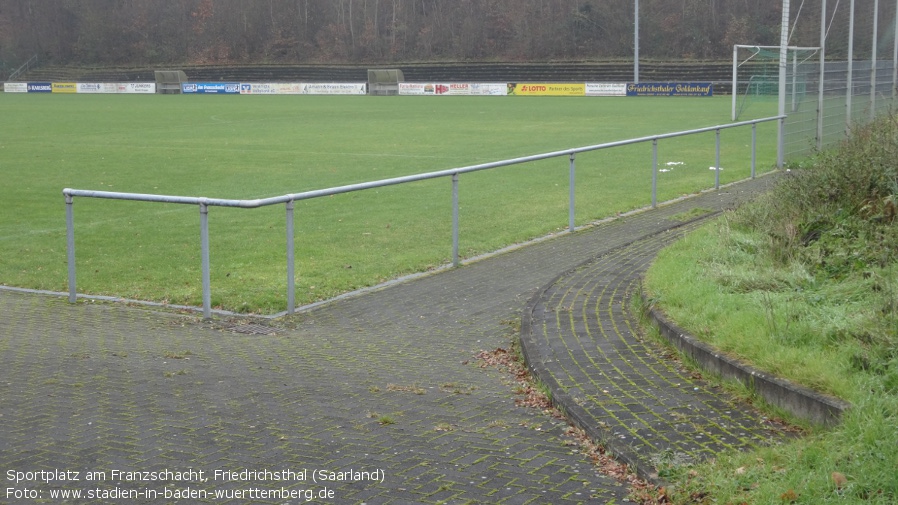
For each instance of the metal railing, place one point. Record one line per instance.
(28, 65)
(290, 199)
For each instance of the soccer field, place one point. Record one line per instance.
(249, 147)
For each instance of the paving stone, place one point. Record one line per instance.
(97, 386)
(581, 331)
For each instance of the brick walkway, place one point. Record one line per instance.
(583, 339)
(385, 383)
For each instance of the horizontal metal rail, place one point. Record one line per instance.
(290, 199)
(28, 65)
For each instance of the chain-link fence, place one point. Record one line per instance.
(852, 79)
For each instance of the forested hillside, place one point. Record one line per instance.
(114, 32)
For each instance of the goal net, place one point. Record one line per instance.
(756, 79)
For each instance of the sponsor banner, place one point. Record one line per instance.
(452, 89)
(64, 87)
(93, 87)
(40, 87)
(288, 88)
(136, 87)
(606, 89)
(554, 89)
(489, 89)
(263, 88)
(113, 87)
(334, 88)
(207, 88)
(413, 88)
(15, 87)
(670, 89)
(460, 89)
(417, 88)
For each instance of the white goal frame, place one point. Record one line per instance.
(795, 63)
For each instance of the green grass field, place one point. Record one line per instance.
(262, 146)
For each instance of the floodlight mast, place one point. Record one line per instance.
(784, 44)
(821, 79)
(636, 43)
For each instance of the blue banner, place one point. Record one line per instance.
(670, 89)
(229, 88)
(40, 87)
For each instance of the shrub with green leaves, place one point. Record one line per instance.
(836, 213)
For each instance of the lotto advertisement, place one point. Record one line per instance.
(555, 89)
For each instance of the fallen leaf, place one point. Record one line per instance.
(789, 496)
(839, 480)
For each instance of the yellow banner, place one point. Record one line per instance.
(557, 89)
(65, 87)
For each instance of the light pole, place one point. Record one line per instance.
(636, 44)
(784, 52)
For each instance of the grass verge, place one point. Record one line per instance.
(802, 284)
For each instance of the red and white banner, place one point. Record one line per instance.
(452, 89)
(137, 87)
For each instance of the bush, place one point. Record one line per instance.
(836, 214)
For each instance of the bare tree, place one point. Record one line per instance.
(136, 31)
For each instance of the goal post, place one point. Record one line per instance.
(756, 74)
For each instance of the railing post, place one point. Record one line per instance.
(291, 281)
(781, 143)
(70, 244)
(754, 150)
(204, 244)
(717, 162)
(654, 173)
(455, 261)
(572, 197)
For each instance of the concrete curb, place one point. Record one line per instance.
(800, 401)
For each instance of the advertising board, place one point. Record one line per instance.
(15, 87)
(211, 88)
(40, 87)
(606, 89)
(419, 88)
(288, 88)
(452, 89)
(136, 87)
(112, 87)
(412, 88)
(257, 88)
(64, 87)
(334, 88)
(670, 89)
(94, 87)
(489, 89)
(547, 89)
